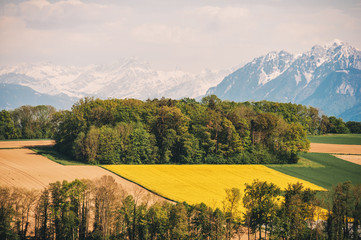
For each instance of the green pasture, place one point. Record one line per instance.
(322, 169)
(52, 154)
(349, 139)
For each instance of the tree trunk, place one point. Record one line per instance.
(260, 232)
(265, 232)
(248, 232)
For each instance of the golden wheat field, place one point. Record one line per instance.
(201, 183)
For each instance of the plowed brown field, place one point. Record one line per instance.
(25, 168)
(351, 158)
(335, 148)
(19, 144)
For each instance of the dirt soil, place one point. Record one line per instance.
(351, 158)
(335, 148)
(25, 168)
(19, 144)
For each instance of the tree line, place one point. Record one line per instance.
(101, 209)
(28, 122)
(309, 117)
(31, 122)
(174, 131)
(183, 131)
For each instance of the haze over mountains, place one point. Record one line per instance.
(327, 77)
(127, 78)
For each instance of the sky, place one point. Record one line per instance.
(188, 35)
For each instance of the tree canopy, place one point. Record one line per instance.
(116, 131)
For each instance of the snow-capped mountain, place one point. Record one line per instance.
(327, 77)
(127, 78)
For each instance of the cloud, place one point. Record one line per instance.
(223, 20)
(163, 34)
(319, 27)
(189, 34)
(42, 14)
(223, 14)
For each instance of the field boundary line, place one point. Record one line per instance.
(171, 200)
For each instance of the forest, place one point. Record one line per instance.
(161, 131)
(101, 209)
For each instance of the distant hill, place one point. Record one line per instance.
(13, 96)
(327, 77)
(353, 113)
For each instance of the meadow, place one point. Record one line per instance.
(325, 170)
(349, 139)
(201, 183)
(50, 153)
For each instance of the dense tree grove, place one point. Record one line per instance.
(177, 131)
(101, 209)
(354, 127)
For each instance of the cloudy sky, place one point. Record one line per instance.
(170, 34)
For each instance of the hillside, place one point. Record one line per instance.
(13, 96)
(326, 77)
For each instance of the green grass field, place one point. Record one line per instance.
(52, 154)
(349, 139)
(324, 170)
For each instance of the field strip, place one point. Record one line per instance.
(335, 148)
(351, 158)
(334, 170)
(30, 143)
(25, 168)
(201, 183)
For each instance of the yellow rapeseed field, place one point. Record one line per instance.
(201, 183)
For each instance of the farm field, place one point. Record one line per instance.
(335, 148)
(201, 183)
(336, 143)
(50, 153)
(25, 168)
(345, 139)
(351, 158)
(329, 171)
(25, 143)
(190, 183)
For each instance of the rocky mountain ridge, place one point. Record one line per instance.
(327, 77)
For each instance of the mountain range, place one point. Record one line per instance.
(126, 78)
(327, 77)
(13, 96)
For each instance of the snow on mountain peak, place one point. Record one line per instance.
(337, 42)
(271, 56)
(272, 65)
(125, 78)
(336, 54)
(334, 43)
(326, 77)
